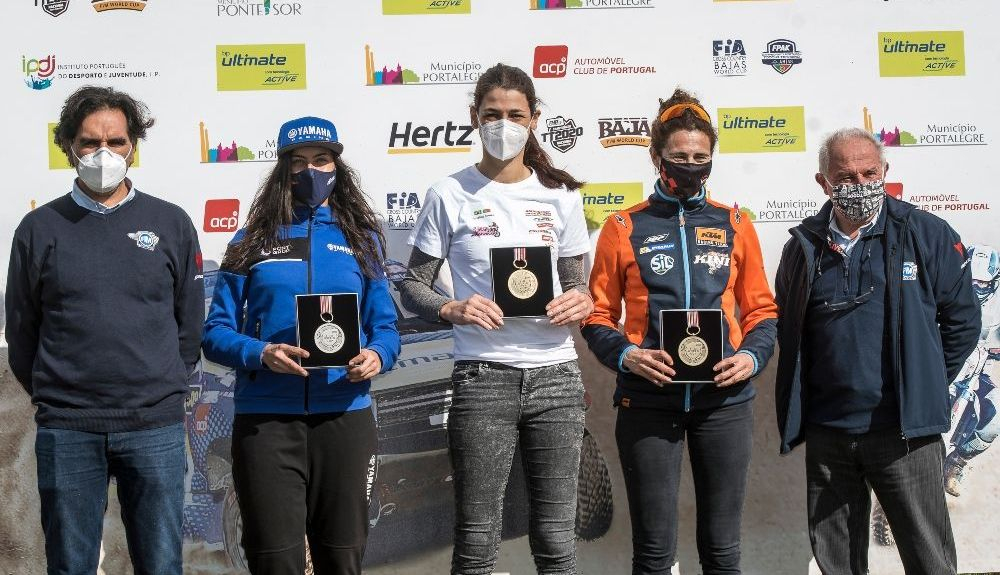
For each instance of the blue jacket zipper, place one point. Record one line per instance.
(309, 289)
(687, 286)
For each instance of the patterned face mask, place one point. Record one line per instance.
(858, 202)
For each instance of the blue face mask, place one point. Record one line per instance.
(313, 187)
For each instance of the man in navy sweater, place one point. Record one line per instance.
(105, 304)
(877, 315)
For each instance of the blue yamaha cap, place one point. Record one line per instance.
(308, 131)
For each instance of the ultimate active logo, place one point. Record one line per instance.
(949, 134)
(234, 8)
(456, 72)
(38, 72)
(260, 67)
(781, 55)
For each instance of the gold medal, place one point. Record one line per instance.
(692, 350)
(329, 337)
(522, 284)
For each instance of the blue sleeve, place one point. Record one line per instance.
(378, 320)
(224, 341)
(959, 316)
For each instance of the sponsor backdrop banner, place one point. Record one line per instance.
(396, 77)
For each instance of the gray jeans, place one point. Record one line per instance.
(843, 469)
(496, 408)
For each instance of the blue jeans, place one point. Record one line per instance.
(74, 468)
(651, 445)
(842, 470)
(494, 409)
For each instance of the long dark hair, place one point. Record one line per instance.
(273, 208)
(512, 78)
(688, 121)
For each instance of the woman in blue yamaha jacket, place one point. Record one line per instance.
(304, 443)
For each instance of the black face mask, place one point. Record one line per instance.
(684, 180)
(313, 187)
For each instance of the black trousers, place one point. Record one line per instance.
(650, 445)
(304, 475)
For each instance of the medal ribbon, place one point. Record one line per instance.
(521, 255)
(326, 308)
(692, 319)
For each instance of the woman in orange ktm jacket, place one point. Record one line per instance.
(678, 250)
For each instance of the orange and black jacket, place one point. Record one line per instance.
(671, 254)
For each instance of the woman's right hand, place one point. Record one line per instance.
(476, 310)
(280, 358)
(652, 364)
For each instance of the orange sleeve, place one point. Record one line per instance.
(751, 289)
(607, 278)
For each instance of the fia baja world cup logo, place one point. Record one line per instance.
(105, 5)
(729, 58)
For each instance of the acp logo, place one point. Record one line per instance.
(222, 215)
(781, 55)
(550, 61)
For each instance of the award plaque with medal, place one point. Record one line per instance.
(522, 280)
(328, 327)
(693, 337)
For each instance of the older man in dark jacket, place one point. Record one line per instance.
(877, 315)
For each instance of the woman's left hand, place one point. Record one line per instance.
(572, 306)
(365, 365)
(734, 369)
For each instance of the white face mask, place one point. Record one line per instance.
(503, 139)
(101, 171)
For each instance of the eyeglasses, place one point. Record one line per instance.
(863, 296)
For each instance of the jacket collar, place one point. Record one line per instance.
(695, 202)
(323, 214)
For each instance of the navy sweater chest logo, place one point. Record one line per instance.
(145, 240)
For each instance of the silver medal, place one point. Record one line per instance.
(329, 338)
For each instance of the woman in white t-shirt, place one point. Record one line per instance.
(516, 380)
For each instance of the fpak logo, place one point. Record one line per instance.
(218, 153)
(779, 129)
(454, 72)
(550, 61)
(105, 5)
(602, 200)
(38, 72)
(243, 67)
(931, 134)
(236, 8)
(561, 133)
(590, 4)
(921, 54)
(781, 55)
(402, 209)
(222, 215)
(53, 7)
(623, 132)
(59, 161)
(729, 57)
(411, 138)
(400, 7)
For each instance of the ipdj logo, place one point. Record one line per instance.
(222, 215)
(38, 73)
(550, 61)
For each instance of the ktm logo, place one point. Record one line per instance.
(710, 237)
